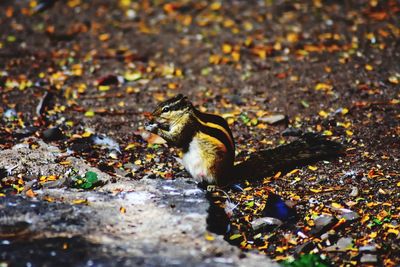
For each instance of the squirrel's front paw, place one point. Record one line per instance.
(151, 127)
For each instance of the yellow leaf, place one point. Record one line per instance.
(89, 113)
(248, 26)
(293, 172)
(281, 249)
(122, 210)
(86, 134)
(336, 205)
(130, 146)
(178, 73)
(365, 218)
(235, 236)
(248, 41)
(368, 67)
(260, 53)
(125, 3)
(315, 190)
(214, 59)
(51, 178)
(313, 168)
(48, 199)
(131, 90)
(172, 86)
(327, 133)
(104, 88)
(215, 6)
(323, 87)
(209, 237)
(235, 56)
(226, 48)
(292, 37)
(345, 111)
(393, 231)
(79, 201)
(228, 23)
(323, 114)
(132, 76)
(281, 257)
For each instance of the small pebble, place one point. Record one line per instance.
(354, 192)
(272, 119)
(265, 222)
(370, 248)
(368, 258)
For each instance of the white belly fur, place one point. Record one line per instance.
(193, 163)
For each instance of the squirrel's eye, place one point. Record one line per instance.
(165, 109)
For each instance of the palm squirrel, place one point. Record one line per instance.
(209, 149)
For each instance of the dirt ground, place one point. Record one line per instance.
(98, 67)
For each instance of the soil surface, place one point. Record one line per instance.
(84, 75)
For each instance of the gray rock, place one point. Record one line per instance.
(323, 224)
(370, 248)
(368, 258)
(349, 216)
(106, 142)
(43, 161)
(272, 119)
(150, 222)
(265, 223)
(343, 244)
(304, 248)
(354, 192)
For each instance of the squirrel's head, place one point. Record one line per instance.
(172, 109)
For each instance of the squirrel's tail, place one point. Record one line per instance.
(309, 148)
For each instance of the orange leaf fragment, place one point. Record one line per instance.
(48, 199)
(277, 175)
(104, 37)
(378, 15)
(364, 219)
(292, 37)
(30, 193)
